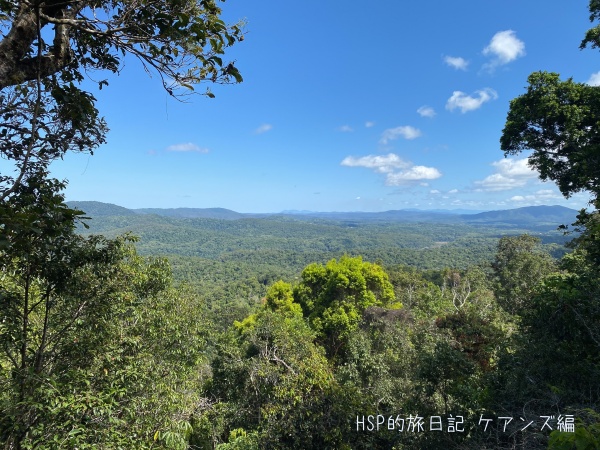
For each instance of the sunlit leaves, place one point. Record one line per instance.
(334, 296)
(558, 120)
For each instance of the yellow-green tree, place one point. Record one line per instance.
(334, 297)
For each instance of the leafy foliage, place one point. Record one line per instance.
(333, 297)
(90, 333)
(182, 40)
(272, 379)
(558, 120)
(519, 266)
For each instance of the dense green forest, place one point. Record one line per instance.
(231, 263)
(276, 332)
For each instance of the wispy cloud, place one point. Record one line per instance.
(397, 171)
(379, 163)
(426, 111)
(407, 132)
(186, 147)
(263, 128)
(594, 79)
(345, 129)
(510, 174)
(414, 174)
(369, 124)
(538, 197)
(503, 48)
(465, 103)
(456, 62)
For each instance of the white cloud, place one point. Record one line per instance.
(263, 128)
(381, 164)
(511, 173)
(465, 103)
(186, 147)
(426, 111)
(515, 168)
(456, 62)
(538, 197)
(504, 48)
(415, 173)
(434, 191)
(398, 172)
(345, 128)
(369, 124)
(407, 132)
(594, 79)
(499, 182)
(453, 191)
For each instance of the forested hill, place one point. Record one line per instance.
(284, 244)
(194, 213)
(97, 209)
(230, 258)
(530, 217)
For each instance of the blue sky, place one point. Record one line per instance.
(345, 106)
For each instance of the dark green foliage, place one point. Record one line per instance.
(518, 267)
(554, 357)
(180, 40)
(436, 358)
(97, 349)
(97, 356)
(558, 120)
(90, 335)
(562, 330)
(272, 379)
(592, 36)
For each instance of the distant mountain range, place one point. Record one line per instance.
(534, 217)
(195, 213)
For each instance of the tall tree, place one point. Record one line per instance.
(560, 122)
(96, 350)
(556, 359)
